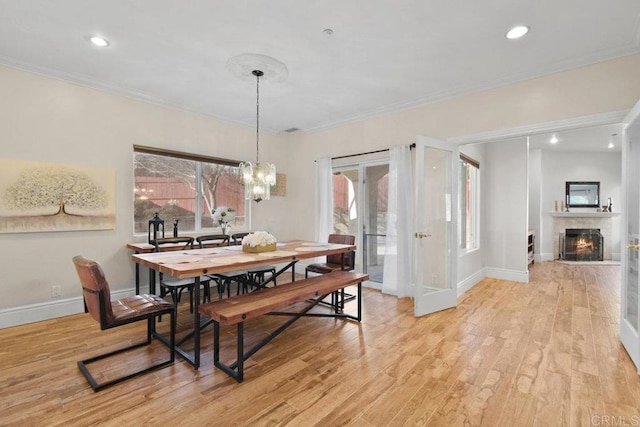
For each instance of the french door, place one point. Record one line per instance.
(435, 248)
(630, 306)
(360, 207)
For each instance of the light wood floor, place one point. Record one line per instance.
(545, 353)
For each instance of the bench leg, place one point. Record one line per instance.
(240, 349)
(359, 301)
(236, 370)
(216, 343)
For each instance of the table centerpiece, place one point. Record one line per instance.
(259, 241)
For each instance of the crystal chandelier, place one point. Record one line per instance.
(258, 177)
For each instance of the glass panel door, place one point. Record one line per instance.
(376, 185)
(360, 209)
(630, 305)
(346, 205)
(346, 191)
(435, 243)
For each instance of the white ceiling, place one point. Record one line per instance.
(594, 138)
(383, 55)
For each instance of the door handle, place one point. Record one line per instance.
(420, 235)
(634, 247)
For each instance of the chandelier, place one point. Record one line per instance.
(258, 177)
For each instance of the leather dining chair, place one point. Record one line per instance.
(110, 314)
(335, 262)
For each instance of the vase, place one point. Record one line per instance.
(223, 226)
(260, 248)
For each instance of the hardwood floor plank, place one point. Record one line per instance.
(586, 399)
(545, 353)
(584, 357)
(554, 399)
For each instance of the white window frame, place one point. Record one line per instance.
(466, 245)
(198, 159)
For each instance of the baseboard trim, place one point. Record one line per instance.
(545, 257)
(503, 274)
(22, 315)
(471, 281)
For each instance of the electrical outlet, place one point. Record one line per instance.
(56, 291)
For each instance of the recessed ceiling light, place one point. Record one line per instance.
(517, 32)
(610, 145)
(553, 140)
(99, 41)
(327, 31)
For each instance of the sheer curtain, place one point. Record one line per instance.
(324, 180)
(398, 251)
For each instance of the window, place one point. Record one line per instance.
(186, 188)
(469, 205)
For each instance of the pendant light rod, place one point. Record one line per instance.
(258, 74)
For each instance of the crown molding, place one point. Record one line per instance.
(557, 125)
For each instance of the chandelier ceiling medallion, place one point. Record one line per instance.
(258, 177)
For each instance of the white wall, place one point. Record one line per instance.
(44, 119)
(561, 166)
(49, 120)
(535, 199)
(564, 95)
(504, 189)
(471, 263)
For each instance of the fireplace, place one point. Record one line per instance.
(581, 244)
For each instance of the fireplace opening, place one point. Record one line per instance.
(581, 244)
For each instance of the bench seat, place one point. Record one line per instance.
(235, 310)
(248, 306)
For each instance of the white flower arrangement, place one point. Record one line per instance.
(224, 214)
(258, 238)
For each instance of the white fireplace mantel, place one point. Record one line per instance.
(584, 214)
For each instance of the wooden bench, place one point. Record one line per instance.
(236, 310)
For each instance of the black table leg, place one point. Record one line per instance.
(196, 323)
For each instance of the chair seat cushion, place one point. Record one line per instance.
(323, 268)
(138, 305)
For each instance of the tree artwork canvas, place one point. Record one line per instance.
(38, 196)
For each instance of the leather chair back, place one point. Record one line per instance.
(343, 239)
(95, 289)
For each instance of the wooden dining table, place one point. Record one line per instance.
(194, 263)
(145, 248)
